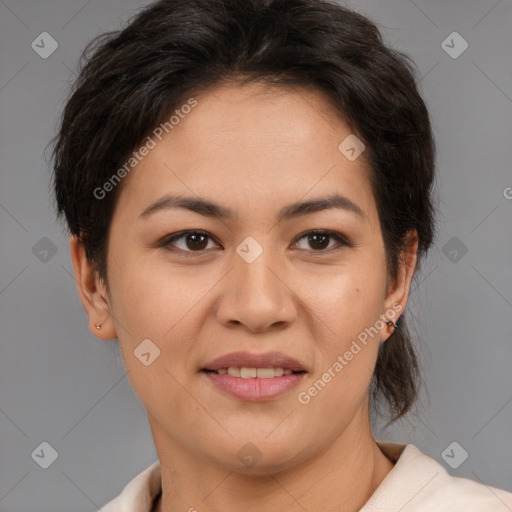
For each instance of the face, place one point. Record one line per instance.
(252, 275)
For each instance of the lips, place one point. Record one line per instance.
(251, 360)
(254, 377)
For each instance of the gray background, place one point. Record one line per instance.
(61, 385)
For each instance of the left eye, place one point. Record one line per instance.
(319, 240)
(197, 241)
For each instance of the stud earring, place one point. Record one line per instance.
(393, 324)
(98, 326)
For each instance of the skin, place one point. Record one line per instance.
(253, 149)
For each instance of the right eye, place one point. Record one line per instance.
(191, 241)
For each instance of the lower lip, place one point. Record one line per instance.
(254, 389)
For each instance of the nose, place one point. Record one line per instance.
(256, 295)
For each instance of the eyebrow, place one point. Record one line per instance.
(210, 209)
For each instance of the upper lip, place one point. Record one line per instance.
(249, 360)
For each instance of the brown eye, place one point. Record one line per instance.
(319, 241)
(188, 241)
(196, 241)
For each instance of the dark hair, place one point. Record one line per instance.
(131, 80)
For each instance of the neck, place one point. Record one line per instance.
(340, 479)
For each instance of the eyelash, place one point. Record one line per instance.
(167, 241)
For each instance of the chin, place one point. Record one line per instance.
(259, 458)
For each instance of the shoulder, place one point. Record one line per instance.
(418, 483)
(139, 494)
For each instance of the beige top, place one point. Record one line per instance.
(417, 483)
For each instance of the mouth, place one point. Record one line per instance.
(250, 365)
(254, 377)
(253, 373)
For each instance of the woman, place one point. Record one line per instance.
(248, 188)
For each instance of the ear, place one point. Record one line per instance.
(92, 292)
(398, 291)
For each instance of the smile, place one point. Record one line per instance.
(253, 373)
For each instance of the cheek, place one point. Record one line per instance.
(347, 299)
(346, 303)
(152, 296)
(156, 303)
(347, 338)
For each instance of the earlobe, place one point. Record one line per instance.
(396, 300)
(92, 292)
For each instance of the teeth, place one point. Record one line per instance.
(234, 372)
(267, 373)
(251, 373)
(247, 373)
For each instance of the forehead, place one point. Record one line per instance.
(252, 145)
